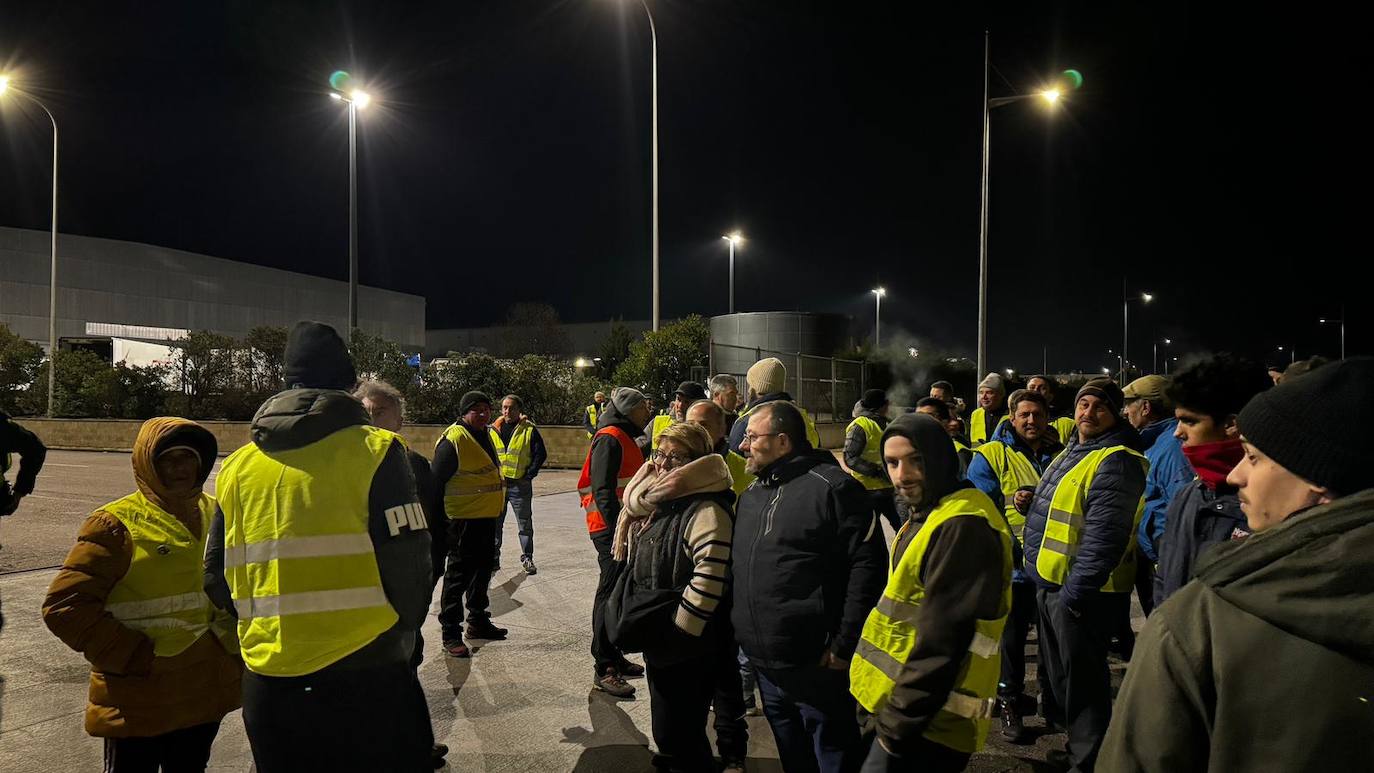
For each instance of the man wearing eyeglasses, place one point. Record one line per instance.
(808, 564)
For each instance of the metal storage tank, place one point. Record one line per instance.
(805, 342)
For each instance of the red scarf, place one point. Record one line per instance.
(1214, 461)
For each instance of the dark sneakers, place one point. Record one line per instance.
(630, 670)
(527, 563)
(436, 755)
(1013, 730)
(613, 684)
(457, 649)
(485, 630)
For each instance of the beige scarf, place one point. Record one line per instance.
(651, 487)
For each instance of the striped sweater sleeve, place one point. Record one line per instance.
(707, 540)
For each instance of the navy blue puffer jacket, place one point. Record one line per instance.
(1116, 492)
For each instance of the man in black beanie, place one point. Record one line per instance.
(1279, 621)
(321, 551)
(470, 490)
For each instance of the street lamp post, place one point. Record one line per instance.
(734, 239)
(5, 88)
(1071, 79)
(1155, 367)
(878, 294)
(653, 141)
(356, 99)
(1325, 320)
(1126, 322)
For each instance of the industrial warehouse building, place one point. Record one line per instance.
(125, 289)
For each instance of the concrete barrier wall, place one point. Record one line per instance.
(567, 446)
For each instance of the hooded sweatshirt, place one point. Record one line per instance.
(605, 462)
(964, 572)
(1265, 661)
(297, 418)
(133, 693)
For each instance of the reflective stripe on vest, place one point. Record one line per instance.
(890, 634)
(656, 428)
(631, 459)
(873, 452)
(811, 433)
(161, 594)
(1013, 471)
(515, 458)
(477, 489)
(297, 551)
(1064, 526)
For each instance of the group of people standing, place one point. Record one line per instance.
(737, 556)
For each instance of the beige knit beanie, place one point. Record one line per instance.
(767, 376)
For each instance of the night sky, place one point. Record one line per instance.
(1219, 163)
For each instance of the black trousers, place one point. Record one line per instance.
(922, 755)
(1073, 651)
(883, 503)
(368, 719)
(679, 697)
(604, 653)
(1024, 614)
(181, 751)
(471, 551)
(732, 729)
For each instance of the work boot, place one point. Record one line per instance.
(527, 563)
(731, 765)
(485, 630)
(1012, 728)
(613, 684)
(629, 670)
(455, 648)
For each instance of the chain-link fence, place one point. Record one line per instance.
(826, 387)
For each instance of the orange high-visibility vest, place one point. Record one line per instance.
(631, 459)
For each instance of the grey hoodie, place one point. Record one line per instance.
(297, 418)
(1265, 661)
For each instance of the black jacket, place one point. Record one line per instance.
(436, 519)
(297, 418)
(445, 463)
(808, 562)
(538, 452)
(1197, 518)
(605, 464)
(14, 439)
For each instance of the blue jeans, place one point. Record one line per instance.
(519, 497)
(813, 719)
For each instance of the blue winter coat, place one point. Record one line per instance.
(1169, 474)
(1116, 492)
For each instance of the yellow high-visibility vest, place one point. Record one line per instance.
(593, 413)
(873, 452)
(1064, 526)
(977, 429)
(1065, 426)
(811, 434)
(515, 458)
(660, 423)
(1013, 471)
(740, 478)
(477, 489)
(162, 594)
(890, 634)
(297, 553)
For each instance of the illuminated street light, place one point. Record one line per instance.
(52, 258)
(878, 294)
(356, 100)
(735, 239)
(1126, 321)
(1065, 82)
